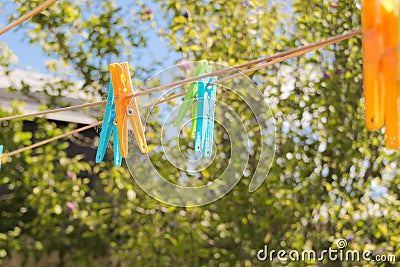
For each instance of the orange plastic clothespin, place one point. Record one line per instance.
(390, 68)
(126, 107)
(374, 92)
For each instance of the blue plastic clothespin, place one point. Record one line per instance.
(1, 155)
(108, 128)
(205, 116)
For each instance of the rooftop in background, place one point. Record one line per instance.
(17, 79)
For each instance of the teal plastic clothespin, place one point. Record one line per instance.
(204, 139)
(201, 69)
(1, 155)
(108, 128)
(194, 107)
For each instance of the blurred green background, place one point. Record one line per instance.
(330, 179)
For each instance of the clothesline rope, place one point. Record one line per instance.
(51, 111)
(274, 59)
(279, 57)
(28, 16)
(44, 142)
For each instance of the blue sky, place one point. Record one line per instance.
(32, 58)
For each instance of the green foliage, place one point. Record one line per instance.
(86, 36)
(230, 32)
(35, 192)
(331, 178)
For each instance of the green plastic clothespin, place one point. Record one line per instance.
(201, 69)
